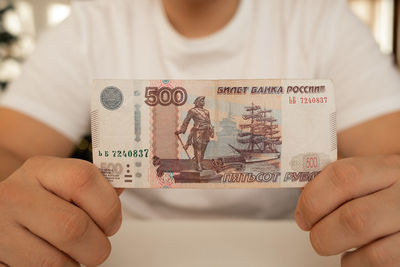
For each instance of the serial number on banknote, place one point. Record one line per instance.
(308, 100)
(136, 153)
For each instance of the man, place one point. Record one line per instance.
(201, 131)
(50, 210)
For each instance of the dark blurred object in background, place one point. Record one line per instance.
(9, 30)
(16, 38)
(396, 40)
(84, 149)
(6, 32)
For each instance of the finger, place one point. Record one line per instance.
(383, 252)
(3, 265)
(358, 222)
(119, 191)
(63, 225)
(342, 181)
(24, 249)
(82, 183)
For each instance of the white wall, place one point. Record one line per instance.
(40, 11)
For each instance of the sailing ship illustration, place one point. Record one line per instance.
(260, 135)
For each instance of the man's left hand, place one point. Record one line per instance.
(355, 203)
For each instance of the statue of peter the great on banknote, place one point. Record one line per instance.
(201, 131)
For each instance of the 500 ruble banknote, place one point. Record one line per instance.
(212, 133)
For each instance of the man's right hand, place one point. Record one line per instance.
(57, 212)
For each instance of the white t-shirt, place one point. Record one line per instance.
(133, 39)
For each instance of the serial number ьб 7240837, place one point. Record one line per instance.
(308, 100)
(135, 153)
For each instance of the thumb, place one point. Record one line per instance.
(119, 190)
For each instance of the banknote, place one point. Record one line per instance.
(212, 133)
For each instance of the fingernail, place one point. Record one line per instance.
(300, 221)
(115, 227)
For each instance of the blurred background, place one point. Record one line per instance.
(22, 21)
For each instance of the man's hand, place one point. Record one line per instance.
(57, 212)
(355, 203)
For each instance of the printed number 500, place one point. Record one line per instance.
(312, 162)
(165, 96)
(115, 168)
